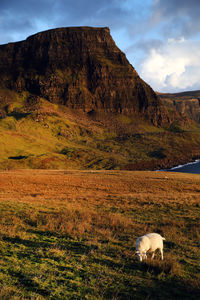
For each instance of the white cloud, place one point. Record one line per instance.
(175, 66)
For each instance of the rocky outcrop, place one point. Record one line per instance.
(185, 103)
(190, 108)
(80, 67)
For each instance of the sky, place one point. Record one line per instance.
(161, 38)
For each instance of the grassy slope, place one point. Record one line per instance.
(71, 234)
(50, 136)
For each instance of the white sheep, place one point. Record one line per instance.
(149, 242)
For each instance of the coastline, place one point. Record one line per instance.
(184, 165)
(191, 167)
(165, 164)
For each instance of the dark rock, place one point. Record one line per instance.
(82, 68)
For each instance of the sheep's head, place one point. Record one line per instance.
(139, 255)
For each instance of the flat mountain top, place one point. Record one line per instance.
(81, 68)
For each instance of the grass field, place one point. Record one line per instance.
(71, 234)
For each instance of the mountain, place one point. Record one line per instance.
(186, 103)
(81, 68)
(70, 99)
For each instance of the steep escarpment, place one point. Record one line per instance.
(186, 103)
(81, 68)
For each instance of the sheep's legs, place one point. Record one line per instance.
(161, 252)
(144, 255)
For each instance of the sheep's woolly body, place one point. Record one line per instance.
(149, 242)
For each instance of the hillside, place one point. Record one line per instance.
(54, 136)
(69, 99)
(71, 234)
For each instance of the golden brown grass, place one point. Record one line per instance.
(80, 219)
(103, 201)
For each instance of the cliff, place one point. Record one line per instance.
(81, 68)
(186, 103)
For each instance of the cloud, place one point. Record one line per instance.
(178, 17)
(18, 19)
(174, 66)
(21, 18)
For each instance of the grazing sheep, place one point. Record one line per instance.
(149, 242)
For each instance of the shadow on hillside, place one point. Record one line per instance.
(173, 289)
(18, 115)
(19, 157)
(29, 284)
(27, 243)
(53, 240)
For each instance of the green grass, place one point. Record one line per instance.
(83, 248)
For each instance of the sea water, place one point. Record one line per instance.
(193, 167)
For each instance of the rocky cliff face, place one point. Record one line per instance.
(186, 103)
(80, 67)
(190, 108)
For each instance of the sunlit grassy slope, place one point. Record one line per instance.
(71, 234)
(44, 135)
